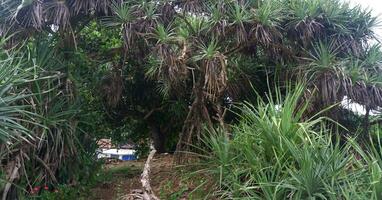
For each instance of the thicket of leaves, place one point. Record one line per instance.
(275, 154)
(169, 69)
(197, 50)
(41, 128)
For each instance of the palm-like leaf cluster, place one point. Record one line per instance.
(277, 155)
(38, 125)
(11, 113)
(187, 46)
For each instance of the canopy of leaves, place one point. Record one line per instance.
(175, 66)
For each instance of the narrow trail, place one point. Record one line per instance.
(125, 178)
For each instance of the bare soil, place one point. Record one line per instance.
(166, 180)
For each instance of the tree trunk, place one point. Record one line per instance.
(159, 138)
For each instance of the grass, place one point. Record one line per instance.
(276, 153)
(182, 183)
(115, 181)
(109, 181)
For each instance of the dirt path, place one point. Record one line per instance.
(125, 177)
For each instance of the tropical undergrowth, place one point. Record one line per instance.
(41, 128)
(275, 152)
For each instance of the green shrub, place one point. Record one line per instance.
(276, 154)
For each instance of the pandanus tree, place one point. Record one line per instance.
(38, 120)
(202, 51)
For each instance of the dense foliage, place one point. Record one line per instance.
(275, 154)
(74, 71)
(40, 120)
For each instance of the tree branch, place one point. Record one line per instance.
(148, 193)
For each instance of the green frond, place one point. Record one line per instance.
(208, 51)
(373, 57)
(183, 33)
(362, 22)
(305, 9)
(123, 14)
(197, 24)
(163, 34)
(270, 13)
(164, 89)
(354, 69)
(239, 13)
(150, 11)
(323, 55)
(153, 67)
(215, 12)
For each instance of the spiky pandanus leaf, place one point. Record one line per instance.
(56, 109)
(239, 19)
(148, 16)
(171, 55)
(124, 15)
(354, 78)
(367, 85)
(215, 77)
(305, 20)
(213, 65)
(197, 25)
(268, 18)
(325, 77)
(35, 99)
(11, 114)
(352, 28)
(218, 19)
